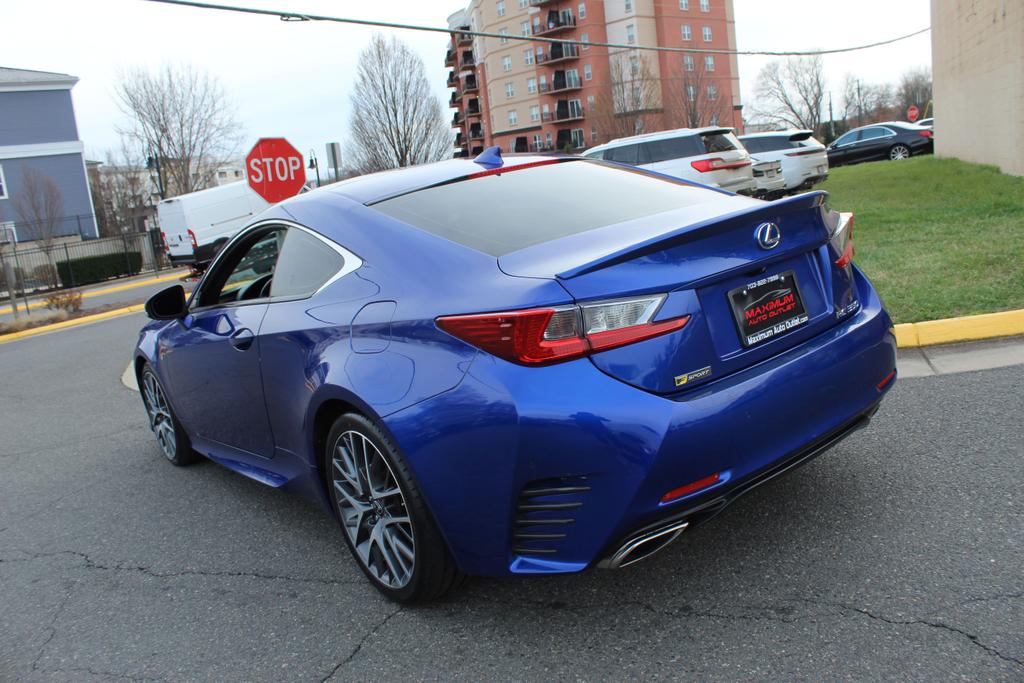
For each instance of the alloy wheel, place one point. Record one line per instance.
(899, 152)
(373, 510)
(160, 420)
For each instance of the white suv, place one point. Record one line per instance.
(711, 156)
(804, 160)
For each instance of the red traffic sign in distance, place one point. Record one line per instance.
(912, 113)
(275, 170)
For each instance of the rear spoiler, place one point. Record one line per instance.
(767, 211)
(716, 131)
(801, 135)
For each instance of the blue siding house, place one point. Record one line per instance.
(38, 131)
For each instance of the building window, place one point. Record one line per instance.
(705, 5)
(506, 63)
(688, 62)
(593, 133)
(536, 142)
(528, 57)
(634, 65)
(578, 140)
(691, 93)
(630, 34)
(629, 6)
(535, 113)
(3, 184)
(714, 119)
(513, 117)
(222, 174)
(547, 139)
(501, 8)
(712, 93)
(503, 32)
(590, 102)
(707, 34)
(524, 28)
(709, 63)
(582, 11)
(587, 73)
(531, 85)
(543, 83)
(510, 90)
(522, 4)
(585, 38)
(687, 32)
(684, 5)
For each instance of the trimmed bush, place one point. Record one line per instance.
(82, 271)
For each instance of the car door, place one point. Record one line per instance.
(211, 358)
(842, 150)
(873, 143)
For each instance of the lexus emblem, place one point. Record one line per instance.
(768, 235)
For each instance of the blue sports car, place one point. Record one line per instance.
(521, 365)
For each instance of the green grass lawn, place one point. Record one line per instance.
(938, 237)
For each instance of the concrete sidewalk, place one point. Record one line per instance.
(952, 358)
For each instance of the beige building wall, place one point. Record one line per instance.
(978, 72)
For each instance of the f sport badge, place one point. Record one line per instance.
(692, 376)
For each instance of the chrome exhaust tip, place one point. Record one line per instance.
(643, 546)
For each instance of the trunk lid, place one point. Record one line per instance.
(706, 257)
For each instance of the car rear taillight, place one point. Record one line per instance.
(192, 236)
(540, 336)
(163, 238)
(842, 240)
(925, 133)
(717, 164)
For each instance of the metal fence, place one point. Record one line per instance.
(68, 264)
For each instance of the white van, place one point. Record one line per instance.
(711, 156)
(196, 225)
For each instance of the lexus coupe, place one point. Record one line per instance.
(521, 365)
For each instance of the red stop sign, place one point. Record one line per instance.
(275, 170)
(912, 113)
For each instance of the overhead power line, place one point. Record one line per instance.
(296, 16)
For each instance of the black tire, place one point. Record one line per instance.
(898, 152)
(164, 422)
(433, 571)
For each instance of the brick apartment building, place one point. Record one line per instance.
(537, 96)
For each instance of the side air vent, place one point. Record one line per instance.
(544, 513)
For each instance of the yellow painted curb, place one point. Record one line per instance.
(99, 292)
(967, 328)
(84, 320)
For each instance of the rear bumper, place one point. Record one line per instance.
(547, 470)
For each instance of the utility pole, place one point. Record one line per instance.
(860, 106)
(831, 119)
(153, 164)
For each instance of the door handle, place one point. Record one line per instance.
(242, 338)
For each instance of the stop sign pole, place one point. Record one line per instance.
(274, 169)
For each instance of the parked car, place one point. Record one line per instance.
(893, 140)
(711, 156)
(519, 366)
(804, 161)
(197, 224)
(925, 123)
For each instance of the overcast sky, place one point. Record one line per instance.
(294, 79)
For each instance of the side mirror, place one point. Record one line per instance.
(167, 304)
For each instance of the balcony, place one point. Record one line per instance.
(476, 133)
(453, 79)
(542, 147)
(556, 23)
(473, 108)
(455, 101)
(562, 82)
(565, 110)
(467, 61)
(465, 38)
(538, 3)
(470, 84)
(449, 58)
(457, 119)
(461, 154)
(477, 150)
(558, 53)
(459, 139)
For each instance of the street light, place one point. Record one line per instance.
(314, 165)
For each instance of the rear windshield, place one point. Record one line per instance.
(502, 213)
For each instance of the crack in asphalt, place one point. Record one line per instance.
(52, 626)
(92, 564)
(359, 646)
(971, 637)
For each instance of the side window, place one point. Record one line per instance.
(627, 154)
(671, 148)
(847, 138)
(246, 272)
(754, 145)
(305, 264)
(872, 133)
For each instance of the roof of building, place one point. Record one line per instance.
(27, 78)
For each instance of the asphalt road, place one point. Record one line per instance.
(899, 555)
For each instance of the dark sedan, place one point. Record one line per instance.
(891, 140)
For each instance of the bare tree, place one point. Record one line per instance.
(41, 206)
(631, 98)
(865, 103)
(791, 92)
(396, 119)
(691, 97)
(122, 192)
(915, 87)
(183, 116)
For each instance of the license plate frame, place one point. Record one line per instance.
(767, 308)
